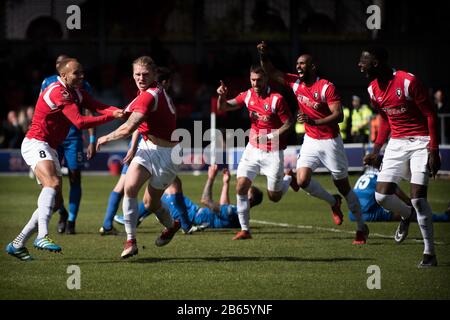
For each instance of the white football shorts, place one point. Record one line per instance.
(34, 151)
(329, 152)
(406, 158)
(255, 161)
(158, 161)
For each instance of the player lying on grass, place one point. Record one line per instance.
(372, 211)
(209, 214)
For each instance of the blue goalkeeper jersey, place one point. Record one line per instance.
(365, 191)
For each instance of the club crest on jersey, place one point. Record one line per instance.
(65, 94)
(266, 106)
(398, 91)
(316, 95)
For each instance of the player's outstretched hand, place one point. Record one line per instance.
(369, 159)
(226, 175)
(434, 162)
(262, 47)
(222, 90)
(119, 114)
(100, 141)
(90, 151)
(129, 156)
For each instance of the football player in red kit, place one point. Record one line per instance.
(57, 108)
(320, 110)
(270, 121)
(412, 152)
(153, 113)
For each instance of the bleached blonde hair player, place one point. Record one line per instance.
(153, 114)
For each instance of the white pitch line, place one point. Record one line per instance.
(287, 225)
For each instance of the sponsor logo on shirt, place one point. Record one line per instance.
(256, 116)
(307, 102)
(65, 94)
(393, 111)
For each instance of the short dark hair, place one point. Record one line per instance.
(257, 196)
(378, 52)
(256, 68)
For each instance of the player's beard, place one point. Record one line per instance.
(76, 84)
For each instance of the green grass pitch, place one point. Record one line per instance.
(296, 253)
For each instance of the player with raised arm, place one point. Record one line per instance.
(270, 122)
(412, 152)
(320, 110)
(56, 110)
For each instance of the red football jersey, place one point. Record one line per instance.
(267, 114)
(313, 101)
(161, 114)
(405, 104)
(58, 108)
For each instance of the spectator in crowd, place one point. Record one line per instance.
(25, 116)
(439, 101)
(345, 125)
(374, 126)
(443, 109)
(13, 132)
(360, 115)
(300, 132)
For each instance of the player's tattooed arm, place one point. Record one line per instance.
(125, 130)
(287, 125)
